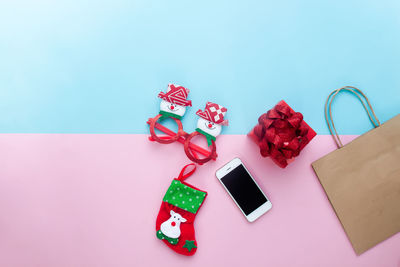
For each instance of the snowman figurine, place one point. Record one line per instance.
(174, 101)
(171, 228)
(211, 121)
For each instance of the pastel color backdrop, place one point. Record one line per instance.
(92, 200)
(93, 66)
(80, 185)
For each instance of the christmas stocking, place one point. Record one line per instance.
(174, 225)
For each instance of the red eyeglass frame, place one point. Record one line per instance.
(191, 150)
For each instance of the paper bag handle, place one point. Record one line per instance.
(328, 115)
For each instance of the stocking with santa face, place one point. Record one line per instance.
(181, 203)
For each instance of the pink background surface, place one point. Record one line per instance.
(92, 200)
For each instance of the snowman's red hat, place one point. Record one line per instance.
(214, 113)
(176, 95)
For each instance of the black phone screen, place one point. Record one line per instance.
(243, 189)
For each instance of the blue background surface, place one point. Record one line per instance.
(97, 66)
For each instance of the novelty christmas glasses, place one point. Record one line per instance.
(173, 105)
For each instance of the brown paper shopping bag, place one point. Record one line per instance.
(362, 178)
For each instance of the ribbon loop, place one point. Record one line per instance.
(182, 175)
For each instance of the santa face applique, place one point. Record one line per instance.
(171, 228)
(209, 127)
(174, 101)
(172, 108)
(211, 120)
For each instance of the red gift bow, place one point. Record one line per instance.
(281, 134)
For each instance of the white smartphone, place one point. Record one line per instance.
(243, 189)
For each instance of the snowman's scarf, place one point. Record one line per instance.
(168, 114)
(208, 136)
(161, 236)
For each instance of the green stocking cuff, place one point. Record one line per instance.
(184, 197)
